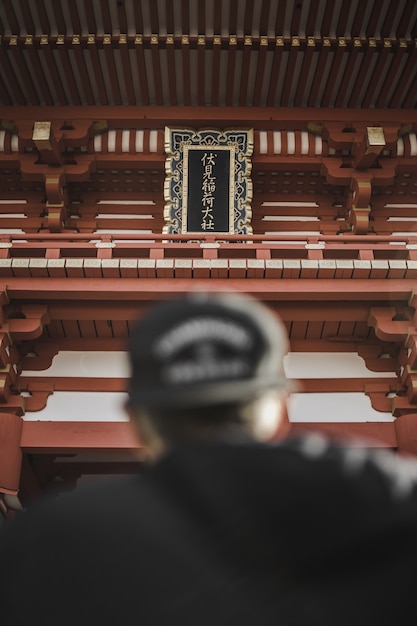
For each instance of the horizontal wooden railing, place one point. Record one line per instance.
(219, 255)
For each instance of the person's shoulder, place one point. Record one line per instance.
(375, 468)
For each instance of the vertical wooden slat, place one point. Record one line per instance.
(305, 71)
(348, 73)
(404, 23)
(2, 26)
(27, 16)
(345, 10)
(98, 74)
(105, 11)
(169, 12)
(311, 18)
(248, 19)
(260, 71)
(172, 74)
(201, 70)
(334, 72)
(121, 14)
(74, 17)
(215, 71)
(43, 17)
(263, 19)
(217, 17)
(137, 8)
(143, 81)
(185, 17)
(413, 30)
(111, 68)
(279, 22)
(38, 74)
(358, 19)
(231, 64)
(46, 48)
(153, 7)
(17, 94)
(233, 17)
(69, 75)
(315, 330)
(295, 19)
(289, 72)
(127, 69)
(327, 18)
(247, 51)
(5, 97)
(390, 16)
(59, 17)
(362, 73)
(54, 328)
(11, 17)
(156, 68)
(186, 70)
(373, 19)
(276, 65)
(25, 76)
(91, 17)
(371, 95)
(392, 74)
(201, 18)
(82, 70)
(410, 99)
(71, 328)
(319, 72)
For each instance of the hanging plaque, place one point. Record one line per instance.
(208, 188)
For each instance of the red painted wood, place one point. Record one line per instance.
(371, 434)
(10, 452)
(156, 116)
(77, 437)
(72, 437)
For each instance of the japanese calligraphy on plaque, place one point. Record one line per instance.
(208, 188)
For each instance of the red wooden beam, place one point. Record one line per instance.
(73, 437)
(81, 437)
(372, 434)
(272, 289)
(154, 117)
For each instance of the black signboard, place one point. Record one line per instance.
(208, 190)
(207, 186)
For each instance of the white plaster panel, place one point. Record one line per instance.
(328, 365)
(81, 406)
(334, 407)
(90, 364)
(71, 406)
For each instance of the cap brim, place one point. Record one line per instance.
(229, 392)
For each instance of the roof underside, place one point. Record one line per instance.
(315, 53)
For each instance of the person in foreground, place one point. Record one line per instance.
(223, 527)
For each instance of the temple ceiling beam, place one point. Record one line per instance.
(154, 117)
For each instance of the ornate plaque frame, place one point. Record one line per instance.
(207, 187)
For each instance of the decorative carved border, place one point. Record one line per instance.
(180, 143)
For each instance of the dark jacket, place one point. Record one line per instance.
(223, 534)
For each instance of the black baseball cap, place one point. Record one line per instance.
(204, 349)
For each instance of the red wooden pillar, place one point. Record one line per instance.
(406, 431)
(10, 453)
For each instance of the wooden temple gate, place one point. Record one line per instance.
(84, 103)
